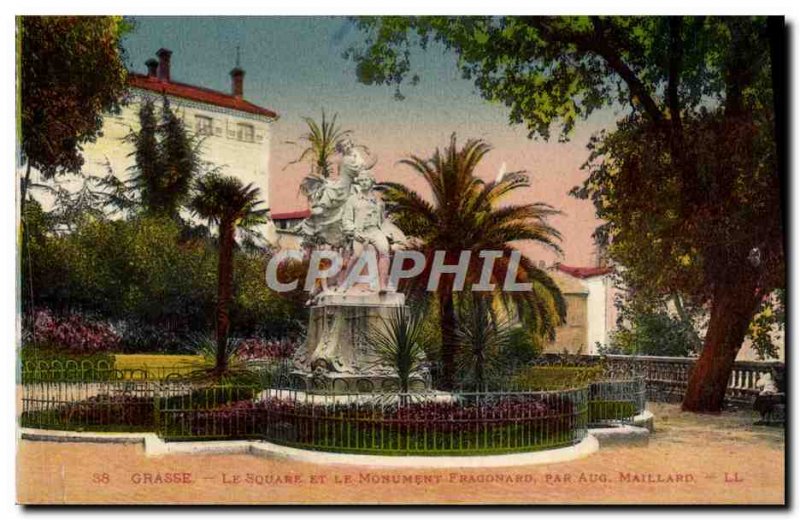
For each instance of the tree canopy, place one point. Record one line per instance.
(71, 72)
(466, 213)
(688, 180)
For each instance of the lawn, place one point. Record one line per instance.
(158, 366)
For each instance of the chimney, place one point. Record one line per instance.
(152, 67)
(237, 82)
(164, 56)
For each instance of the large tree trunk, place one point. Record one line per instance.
(224, 292)
(731, 312)
(448, 323)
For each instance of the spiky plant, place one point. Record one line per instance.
(483, 335)
(398, 342)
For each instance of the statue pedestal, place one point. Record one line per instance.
(336, 356)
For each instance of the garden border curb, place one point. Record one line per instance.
(154, 446)
(645, 420)
(622, 435)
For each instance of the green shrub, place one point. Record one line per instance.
(155, 283)
(601, 411)
(523, 347)
(556, 377)
(655, 334)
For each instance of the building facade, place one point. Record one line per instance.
(590, 309)
(234, 134)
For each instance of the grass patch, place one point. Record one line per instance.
(603, 411)
(159, 366)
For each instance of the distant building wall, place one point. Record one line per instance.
(226, 142)
(571, 336)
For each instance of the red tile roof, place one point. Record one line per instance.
(287, 215)
(583, 272)
(201, 94)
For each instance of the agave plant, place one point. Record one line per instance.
(483, 336)
(235, 371)
(397, 342)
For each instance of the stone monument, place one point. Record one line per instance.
(349, 218)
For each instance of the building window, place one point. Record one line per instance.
(244, 132)
(203, 125)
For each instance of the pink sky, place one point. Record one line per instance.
(554, 169)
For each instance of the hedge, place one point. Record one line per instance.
(556, 377)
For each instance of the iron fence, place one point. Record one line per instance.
(668, 377)
(424, 423)
(281, 407)
(616, 401)
(102, 405)
(90, 371)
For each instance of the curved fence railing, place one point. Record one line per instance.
(616, 401)
(426, 423)
(291, 412)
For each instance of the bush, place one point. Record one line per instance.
(138, 337)
(257, 310)
(655, 334)
(556, 377)
(603, 411)
(152, 278)
(256, 349)
(522, 349)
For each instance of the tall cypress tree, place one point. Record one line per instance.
(147, 165)
(166, 161)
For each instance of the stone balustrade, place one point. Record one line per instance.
(668, 377)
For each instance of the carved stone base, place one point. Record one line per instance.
(331, 383)
(337, 356)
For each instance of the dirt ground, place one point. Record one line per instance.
(690, 460)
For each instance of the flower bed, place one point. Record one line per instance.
(408, 424)
(98, 413)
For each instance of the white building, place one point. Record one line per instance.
(235, 133)
(591, 315)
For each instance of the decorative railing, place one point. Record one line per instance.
(426, 423)
(391, 423)
(94, 396)
(668, 377)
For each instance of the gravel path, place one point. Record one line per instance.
(690, 460)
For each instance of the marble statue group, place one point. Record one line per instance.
(348, 219)
(348, 216)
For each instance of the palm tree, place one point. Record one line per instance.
(229, 204)
(464, 215)
(320, 144)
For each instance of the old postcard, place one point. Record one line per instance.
(401, 260)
